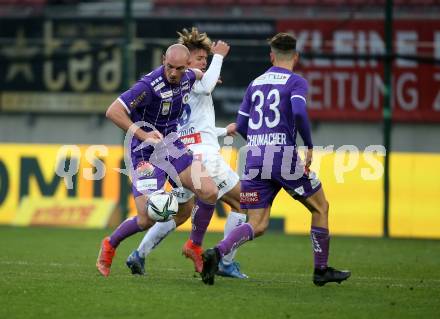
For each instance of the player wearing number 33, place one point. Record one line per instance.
(272, 112)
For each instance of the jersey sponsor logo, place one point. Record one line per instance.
(155, 81)
(187, 131)
(138, 100)
(178, 192)
(159, 86)
(221, 185)
(195, 138)
(146, 184)
(249, 197)
(271, 78)
(185, 98)
(315, 243)
(166, 94)
(266, 139)
(166, 106)
(144, 168)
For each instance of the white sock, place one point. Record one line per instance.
(154, 236)
(234, 220)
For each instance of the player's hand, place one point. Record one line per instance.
(231, 129)
(153, 137)
(308, 160)
(220, 47)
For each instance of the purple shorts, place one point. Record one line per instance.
(260, 193)
(147, 178)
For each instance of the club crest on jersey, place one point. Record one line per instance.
(185, 98)
(166, 94)
(165, 107)
(144, 168)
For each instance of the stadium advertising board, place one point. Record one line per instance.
(33, 172)
(41, 73)
(353, 89)
(42, 69)
(66, 212)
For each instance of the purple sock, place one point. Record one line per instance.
(200, 217)
(236, 238)
(127, 228)
(320, 243)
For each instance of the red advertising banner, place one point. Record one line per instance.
(341, 89)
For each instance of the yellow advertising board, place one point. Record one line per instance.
(415, 195)
(66, 212)
(354, 189)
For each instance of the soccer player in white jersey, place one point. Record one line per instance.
(273, 111)
(198, 132)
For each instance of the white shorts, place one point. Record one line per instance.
(222, 174)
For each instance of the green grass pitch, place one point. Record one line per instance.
(50, 273)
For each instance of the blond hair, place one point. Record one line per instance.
(194, 40)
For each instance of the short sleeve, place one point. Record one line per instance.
(191, 76)
(300, 88)
(138, 96)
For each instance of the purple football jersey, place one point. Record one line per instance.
(155, 101)
(271, 104)
(267, 103)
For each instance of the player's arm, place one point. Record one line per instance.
(302, 123)
(229, 130)
(209, 80)
(198, 73)
(118, 112)
(243, 115)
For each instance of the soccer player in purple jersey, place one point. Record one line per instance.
(272, 112)
(197, 129)
(149, 111)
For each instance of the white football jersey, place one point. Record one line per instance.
(197, 128)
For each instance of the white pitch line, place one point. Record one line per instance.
(355, 278)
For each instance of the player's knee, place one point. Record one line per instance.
(326, 208)
(323, 209)
(209, 193)
(143, 221)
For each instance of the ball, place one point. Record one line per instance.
(162, 206)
